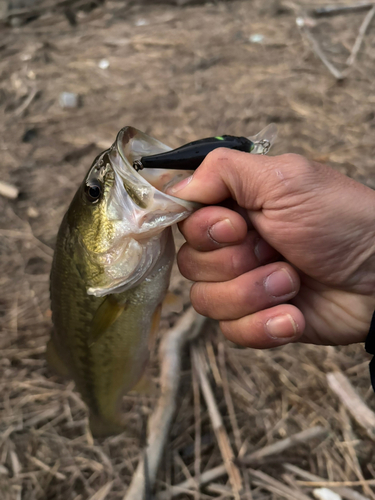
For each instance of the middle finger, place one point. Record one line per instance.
(225, 263)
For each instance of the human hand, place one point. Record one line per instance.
(294, 260)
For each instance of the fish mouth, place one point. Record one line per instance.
(141, 210)
(143, 194)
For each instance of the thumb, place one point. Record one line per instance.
(226, 173)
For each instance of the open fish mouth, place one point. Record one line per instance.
(139, 210)
(149, 207)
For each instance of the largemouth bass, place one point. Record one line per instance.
(110, 274)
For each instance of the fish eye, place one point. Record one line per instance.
(93, 191)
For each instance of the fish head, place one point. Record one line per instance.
(119, 216)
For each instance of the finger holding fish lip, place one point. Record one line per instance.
(227, 263)
(253, 291)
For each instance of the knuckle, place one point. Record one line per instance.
(295, 164)
(291, 174)
(200, 299)
(226, 328)
(242, 296)
(237, 264)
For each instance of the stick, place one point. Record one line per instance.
(232, 415)
(349, 438)
(318, 51)
(228, 397)
(272, 449)
(333, 484)
(197, 424)
(280, 446)
(217, 424)
(171, 347)
(23, 107)
(330, 10)
(103, 492)
(361, 34)
(285, 490)
(8, 190)
(348, 396)
(342, 491)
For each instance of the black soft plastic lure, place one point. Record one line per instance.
(191, 155)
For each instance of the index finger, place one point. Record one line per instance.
(251, 180)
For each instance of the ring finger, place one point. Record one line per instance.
(253, 291)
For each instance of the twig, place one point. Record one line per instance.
(272, 449)
(8, 190)
(331, 10)
(332, 484)
(45, 7)
(171, 347)
(220, 489)
(349, 438)
(46, 467)
(273, 483)
(228, 397)
(103, 492)
(318, 51)
(361, 34)
(340, 75)
(348, 396)
(217, 424)
(232, 415)
(213, 364)
(23, 235)
(197, 424)
(23, 107)
(342, 491)
(280, 446)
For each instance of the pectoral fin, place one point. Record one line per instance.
(107, 313)
(154, 328)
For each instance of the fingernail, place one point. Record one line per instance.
(279, 283)
(263, 251)
(180, 185)
(223, 232)
(281, 327)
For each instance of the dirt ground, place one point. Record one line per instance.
(178, 72)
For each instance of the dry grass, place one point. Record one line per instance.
(178, 74)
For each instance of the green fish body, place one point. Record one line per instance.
(110, 273)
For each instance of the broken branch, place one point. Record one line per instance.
(171, 347)
(349, 397)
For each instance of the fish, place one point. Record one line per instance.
(110, 275)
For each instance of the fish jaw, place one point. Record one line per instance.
(139, 212)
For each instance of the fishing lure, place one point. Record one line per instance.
(191, 155)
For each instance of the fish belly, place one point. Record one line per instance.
(105, 369)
